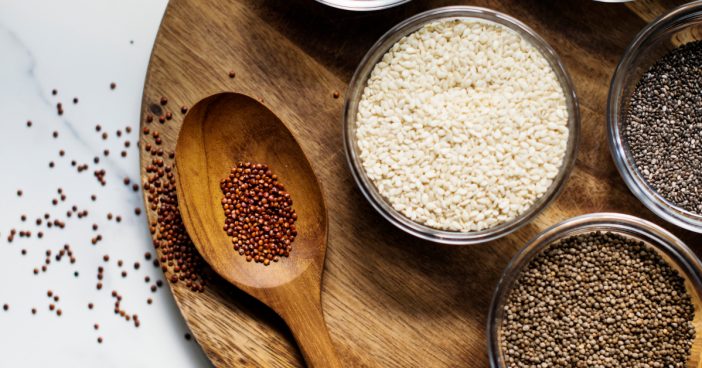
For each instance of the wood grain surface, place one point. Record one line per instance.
(390, 300)
(219, 132)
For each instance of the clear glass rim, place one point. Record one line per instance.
(357, 85)
(368, 5)
(629, 173)
(631, 226)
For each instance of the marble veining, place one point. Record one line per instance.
(78, 47)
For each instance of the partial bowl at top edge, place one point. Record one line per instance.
(363, 5)
(355, 91)
(682, 24)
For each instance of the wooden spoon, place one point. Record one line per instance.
(218, 132)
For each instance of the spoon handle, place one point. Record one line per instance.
(300, 306)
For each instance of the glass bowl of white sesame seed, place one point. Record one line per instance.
(651, 140)
(548, 300)
(489, 164)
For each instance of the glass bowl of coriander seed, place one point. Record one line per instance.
(460, 125)
(654, 117)
(599, 290)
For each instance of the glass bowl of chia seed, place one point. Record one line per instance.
(377, 56)
(585, 286)
(654, 120)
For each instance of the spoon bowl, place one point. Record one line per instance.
(217, 133)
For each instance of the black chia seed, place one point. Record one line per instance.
(663, 126)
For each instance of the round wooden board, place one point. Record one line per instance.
(390, 300)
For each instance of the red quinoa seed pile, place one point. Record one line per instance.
(259, 216)
(177, 255)
(598, 300)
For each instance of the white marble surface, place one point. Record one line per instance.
(78, 47)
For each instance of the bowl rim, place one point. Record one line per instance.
(362, 6)
(666, 242)
(365, 67)
(628, 171)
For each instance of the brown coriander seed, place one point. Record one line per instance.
(19, 192)
(34, 311)
(58, 312)
(232, 74)
(113, 85)
(5, 307)
(55, 134)
(29, 123)
(335, 94)
(183, 109)
(90, 305)
(99, 340)
(161, 119)
(164, 100)
(149, 118)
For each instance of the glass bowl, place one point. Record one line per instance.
(355, 91)
(679, 26)
(362, 5)
(672, 249)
